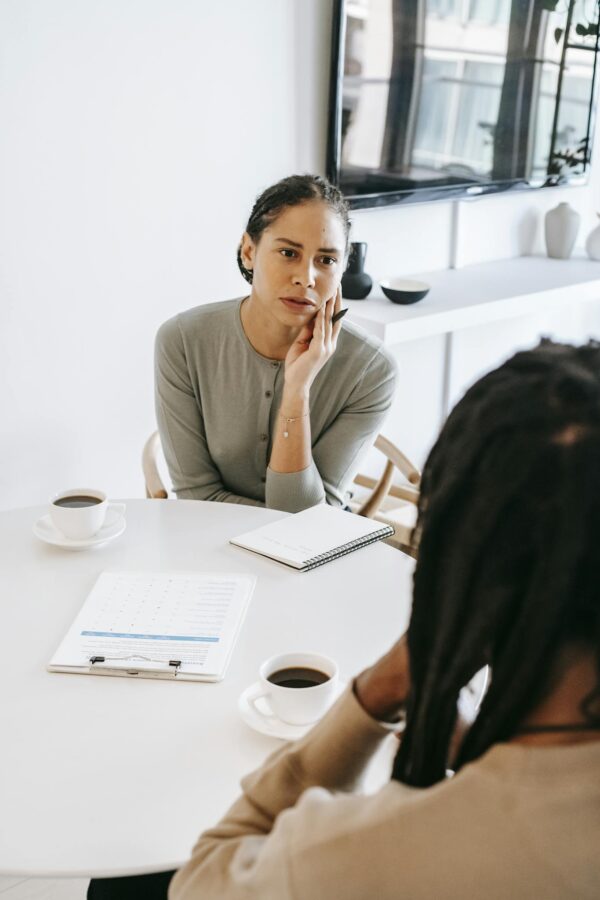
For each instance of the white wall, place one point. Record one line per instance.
(135, 136)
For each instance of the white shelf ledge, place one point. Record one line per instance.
(475, 295)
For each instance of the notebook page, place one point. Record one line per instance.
(146, 618)
(304, 535)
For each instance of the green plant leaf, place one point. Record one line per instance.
(558, 33)
(550, 5)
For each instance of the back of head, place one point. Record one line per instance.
(509, 563)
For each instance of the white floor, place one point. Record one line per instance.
(43, 888)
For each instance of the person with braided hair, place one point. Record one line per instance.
(264, 400)
(508, 576)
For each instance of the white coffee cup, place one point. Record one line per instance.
(77, 519)
(297, 705)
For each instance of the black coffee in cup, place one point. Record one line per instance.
(298, 677)
(77, 502)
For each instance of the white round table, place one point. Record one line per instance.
(118, 776)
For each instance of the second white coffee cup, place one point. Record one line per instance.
(80, 512)
(298, 687)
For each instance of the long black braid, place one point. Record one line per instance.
(509, 552)
(291, 191)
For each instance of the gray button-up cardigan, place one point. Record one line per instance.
(217, 402)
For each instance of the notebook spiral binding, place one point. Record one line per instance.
(322, 558)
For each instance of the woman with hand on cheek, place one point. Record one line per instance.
(264, 400)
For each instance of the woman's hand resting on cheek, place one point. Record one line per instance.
(314, 345)
(382, 689)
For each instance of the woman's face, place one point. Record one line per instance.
(298, 262)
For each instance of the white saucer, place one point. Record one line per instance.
(114, 526)
(269, 724)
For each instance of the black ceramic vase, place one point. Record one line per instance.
(356, 284)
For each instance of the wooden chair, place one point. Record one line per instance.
(388, 502)
(155, 488)
(375, 498)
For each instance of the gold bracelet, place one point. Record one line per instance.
(288, 419)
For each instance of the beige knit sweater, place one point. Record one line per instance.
(521, 823)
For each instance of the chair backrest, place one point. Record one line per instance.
(383, 486)
(155, 488)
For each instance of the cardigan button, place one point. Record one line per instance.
(268, 393)
(264, 437)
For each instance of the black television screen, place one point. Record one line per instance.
(435, 99)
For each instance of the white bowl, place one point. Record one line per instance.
(404, 290)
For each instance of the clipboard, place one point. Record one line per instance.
(175, 625)
(130, 666)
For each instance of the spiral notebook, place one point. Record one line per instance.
(313, 537)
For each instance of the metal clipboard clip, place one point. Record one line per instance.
(128, 665)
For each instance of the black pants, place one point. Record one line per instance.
(136, 887)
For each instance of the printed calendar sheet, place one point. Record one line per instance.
(181, 625)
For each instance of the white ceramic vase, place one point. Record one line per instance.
(592, 244)
(561, 226)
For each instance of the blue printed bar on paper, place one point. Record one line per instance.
(151, 637)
